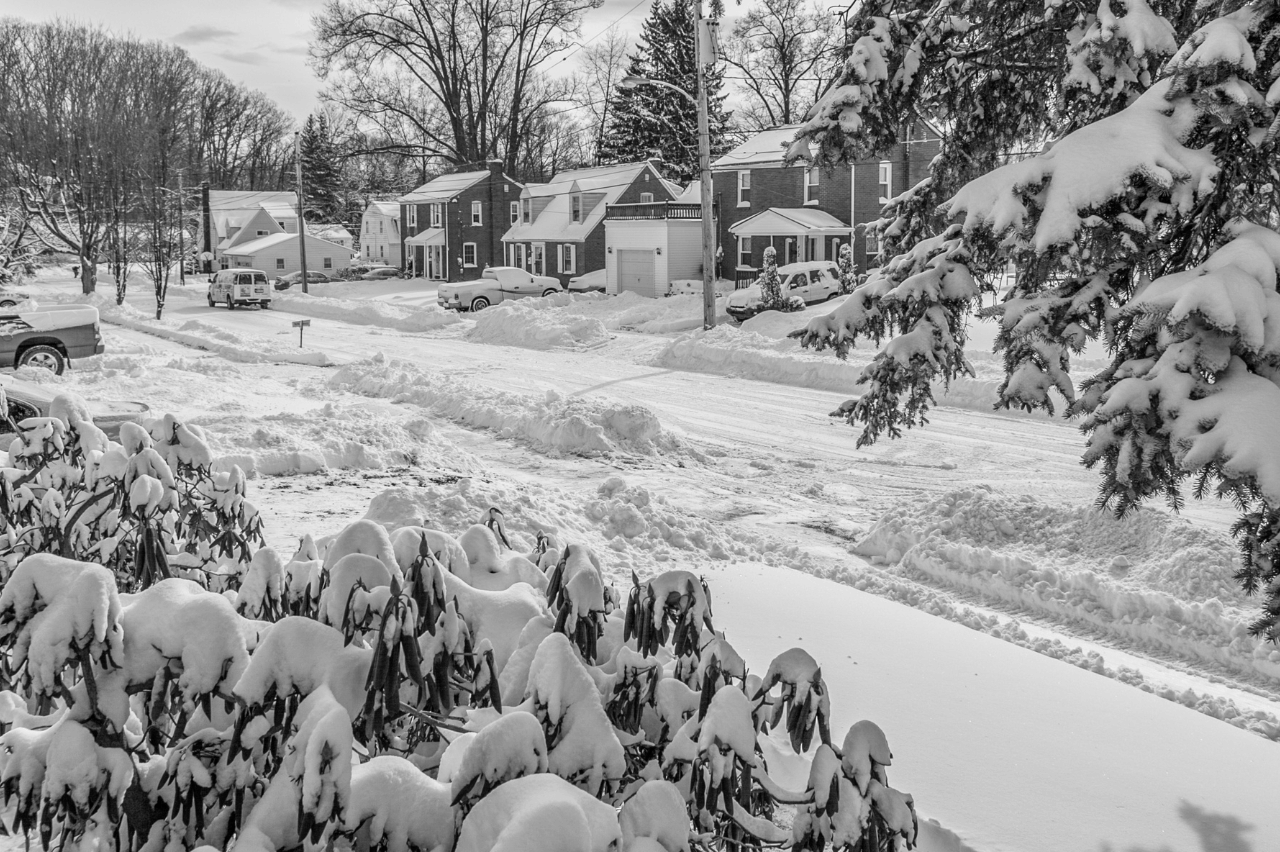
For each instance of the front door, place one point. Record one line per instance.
(788, 250)
(435, 262)
(812, 248)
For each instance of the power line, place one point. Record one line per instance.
(583, 44)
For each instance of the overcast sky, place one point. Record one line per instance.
(262, 43)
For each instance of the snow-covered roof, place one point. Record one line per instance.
(555, 221)
(442, 188)
(788, 221)
(765, 147)
(224, 199)
(428, 237)
(329, 232)
(260, 245)
(384, 208)
(691, 194)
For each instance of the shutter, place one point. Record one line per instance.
(560, 257)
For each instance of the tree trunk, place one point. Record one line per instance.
(88, 274)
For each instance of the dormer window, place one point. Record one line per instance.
(577, 208)
(528, 210)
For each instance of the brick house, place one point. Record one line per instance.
(807, 213)
(557, 228)
(450, 226)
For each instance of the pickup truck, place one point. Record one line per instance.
(496, 284)
(49, 337)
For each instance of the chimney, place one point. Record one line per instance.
(656, 162)
(495, 167)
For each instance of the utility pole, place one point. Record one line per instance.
(302, 224)
(705, 55)
(182, 244)
(206, 228)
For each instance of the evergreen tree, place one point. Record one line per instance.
(848, 274)
(1147, 223)
(649, 121)
(321, 178)
(770, 285)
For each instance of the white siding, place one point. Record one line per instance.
(684, 249)
(648, 234)
(380, 238)
(317, 251)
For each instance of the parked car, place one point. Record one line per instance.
(9, 297)
(380, 273)
(49, 337)
(497, 284)
(239, 287)
(813, 281)
(284, 282)
(591, 281)
(28, 399)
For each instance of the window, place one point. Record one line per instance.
(515, 212)
(744, 189)
(413, 217)
(261, 233)
(279, 263)
(381, 253)
(380, 224)
(744, 251)
(886, 182)
(436, 215)
(328, 263)
(368, 250)
(528, 210)
(468, 254)
(577, 208)
(811, 185)
(476, 209)
(568, 257)
(646, 198)
(282, 227)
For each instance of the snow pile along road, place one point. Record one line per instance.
(536, 327)
(202, 335)
(367, 312)
(551, 422)
(1149, 579)
(747, 354)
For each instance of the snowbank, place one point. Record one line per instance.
(410, 318)
(1149, 579)
(202, 335)
(551, 422)
(748, 354)
(536, 327)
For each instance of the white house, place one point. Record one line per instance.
(333, 233)
(278, 254)
(380, 233)
(235, 217)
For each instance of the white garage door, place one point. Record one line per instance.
(635, 272)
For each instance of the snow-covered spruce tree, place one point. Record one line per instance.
(650, 121)
(438, 692)
(848, 272)
(1146, 225)
(321, 180)
(770, 284)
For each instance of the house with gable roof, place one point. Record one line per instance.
(237, 217)
(451, 226)
(557, 228)
(805, 212)
(380, 233)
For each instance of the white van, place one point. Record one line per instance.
(239, 287)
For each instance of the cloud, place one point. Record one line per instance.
(247, 57)
(201, 33)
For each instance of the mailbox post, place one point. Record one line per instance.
(300, 325)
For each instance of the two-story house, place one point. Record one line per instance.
(557, 228)
(451, 225)
(380, 233)
(805, 212)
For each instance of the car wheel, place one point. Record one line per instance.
(479, 303)
(8, 303)
(231, 304)
(45, 357)
(266, 306)
(210, 298)
(549, 292)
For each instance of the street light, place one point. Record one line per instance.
(704, 162)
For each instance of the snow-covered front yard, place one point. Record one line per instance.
(1050, 678)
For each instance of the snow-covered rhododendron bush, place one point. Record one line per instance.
(1122, 158)
(171, 683)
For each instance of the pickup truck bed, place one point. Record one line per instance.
(49, 336)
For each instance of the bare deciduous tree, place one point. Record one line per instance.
(782, 55)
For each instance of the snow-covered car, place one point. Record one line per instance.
(496, 284)
(590, 282)
(380, 273)
(813, 281)
(239, 287)
(49, 337)
(9, 297)
(28, 399)
(284, 282)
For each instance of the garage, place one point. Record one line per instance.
(635, 272)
